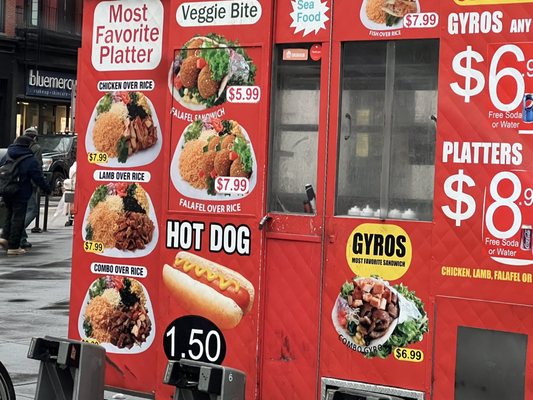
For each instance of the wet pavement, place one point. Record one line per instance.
(34, 301)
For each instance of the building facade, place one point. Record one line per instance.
(39, 42)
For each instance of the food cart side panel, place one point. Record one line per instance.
(482, 214)
(290, 333)
(503, 320)
(105, 69)
(236, 213)
(484, 234)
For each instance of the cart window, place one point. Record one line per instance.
(294, 130)
(386, 148)
(490, 365)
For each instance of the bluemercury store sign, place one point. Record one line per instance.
(49, 83)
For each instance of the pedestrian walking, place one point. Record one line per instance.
(16, 203)
(33, 206)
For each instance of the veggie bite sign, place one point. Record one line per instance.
(127, 35)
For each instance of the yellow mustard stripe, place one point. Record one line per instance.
(211, 276)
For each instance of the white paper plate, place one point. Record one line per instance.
(380, 27)
(116, 253)
(108, 346)
(137, 159)
(187, 190)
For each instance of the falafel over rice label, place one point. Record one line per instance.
(127, 35)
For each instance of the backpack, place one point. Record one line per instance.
(9, 175)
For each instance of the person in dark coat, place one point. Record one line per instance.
(33, 208)
(16, 205)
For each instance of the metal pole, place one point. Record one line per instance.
(45, 218)
(36, 228)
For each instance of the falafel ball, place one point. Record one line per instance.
(206, 85)
(208, 162)
(193, 47)
(214, 142)
(222, 162)
(237, 169)
(227, 142)
(189, 72)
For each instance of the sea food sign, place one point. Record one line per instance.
(50, 84)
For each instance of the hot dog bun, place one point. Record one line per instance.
(208, 299)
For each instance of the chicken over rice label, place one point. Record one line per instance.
(206, 66)
(214, 148)
(123, 125)
(116, 312)
(118, 217)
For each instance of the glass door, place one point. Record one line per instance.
(379, 200)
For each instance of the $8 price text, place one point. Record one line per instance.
(412, 355)
(243, 94)
(506, 191)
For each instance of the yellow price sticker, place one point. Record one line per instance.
(93, 247)
(405, 354)
(97, 158)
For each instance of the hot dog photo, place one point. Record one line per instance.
(208, 289)
(205, 67)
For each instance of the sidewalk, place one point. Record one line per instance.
(34, 300)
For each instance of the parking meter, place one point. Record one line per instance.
(196, 380)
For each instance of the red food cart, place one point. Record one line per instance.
(333, 197)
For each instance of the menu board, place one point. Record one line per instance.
(172, 126)
(122, 129)
(484, 181)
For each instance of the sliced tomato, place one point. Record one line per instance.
(118, 282)
(233, 155)
(342, 321)
(201, 174)
(200, 63)
(217, 124)
(213, 174)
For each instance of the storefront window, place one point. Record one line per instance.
(294, 134)
(386, 149)
(48, 118)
